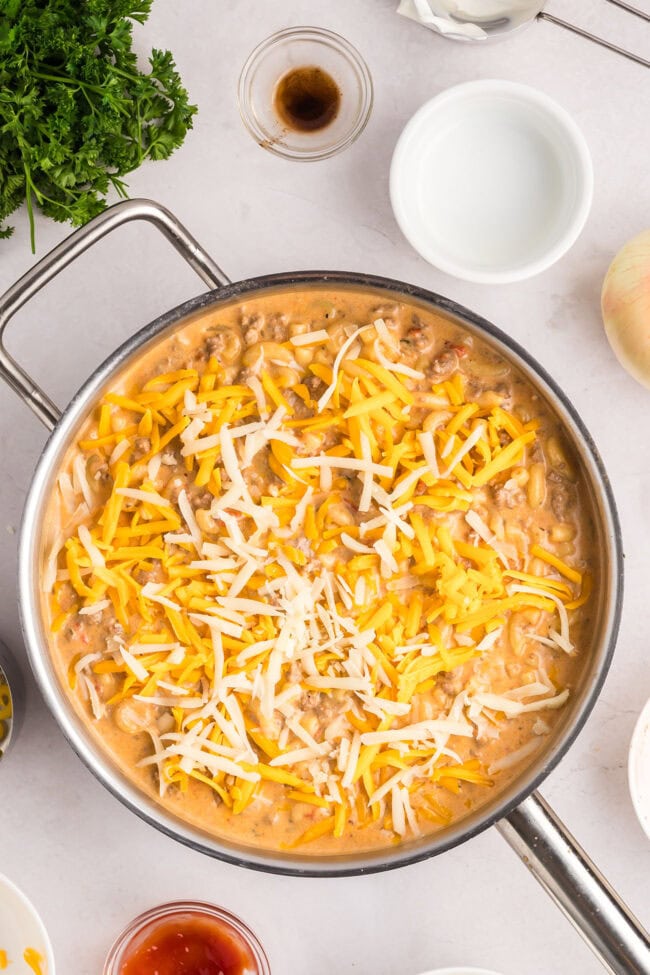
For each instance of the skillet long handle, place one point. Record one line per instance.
(576, 885)
(66, 252)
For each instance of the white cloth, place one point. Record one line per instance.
(453, 17)
(422, 12)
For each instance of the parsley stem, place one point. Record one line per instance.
(68, 81)
(85, 87)
(30, 209)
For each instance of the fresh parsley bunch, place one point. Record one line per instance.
(76, 114)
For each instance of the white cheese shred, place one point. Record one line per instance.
(310, 338)
(94, 554)
(349, 342)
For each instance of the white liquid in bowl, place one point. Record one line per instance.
(491, 181)
(492, 189)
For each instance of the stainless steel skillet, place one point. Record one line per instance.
(520, 814)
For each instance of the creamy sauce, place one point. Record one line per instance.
(531, 516)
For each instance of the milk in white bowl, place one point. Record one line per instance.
(491, 181)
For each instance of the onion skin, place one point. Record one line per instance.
(625, 303)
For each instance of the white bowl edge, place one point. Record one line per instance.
(574, 139)
(9, 890)
(640, 746)
(460, 970)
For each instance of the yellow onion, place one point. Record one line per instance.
(625, 303)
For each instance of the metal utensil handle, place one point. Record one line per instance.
(66, 252)
(630, 9)
(576, 885)
(552, 19)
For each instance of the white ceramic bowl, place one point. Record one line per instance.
(638, 769)
(491, 181)
(21, 928)
(460, 971)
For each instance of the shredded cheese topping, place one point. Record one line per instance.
(294, 632)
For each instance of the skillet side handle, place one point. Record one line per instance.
(66, 252)
(576, 885)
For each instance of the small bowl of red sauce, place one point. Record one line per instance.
(187, 938)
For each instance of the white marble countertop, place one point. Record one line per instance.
(89, 864)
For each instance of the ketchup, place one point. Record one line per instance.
(188, 944)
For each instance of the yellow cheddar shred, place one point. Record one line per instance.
(314, 832)
(571, 574)
(268, 552)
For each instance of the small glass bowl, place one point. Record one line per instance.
(11, 699)
(300, 47)
(146, 923)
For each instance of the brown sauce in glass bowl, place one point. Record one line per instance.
(307, 99)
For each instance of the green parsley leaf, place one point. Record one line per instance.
(76, 113)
